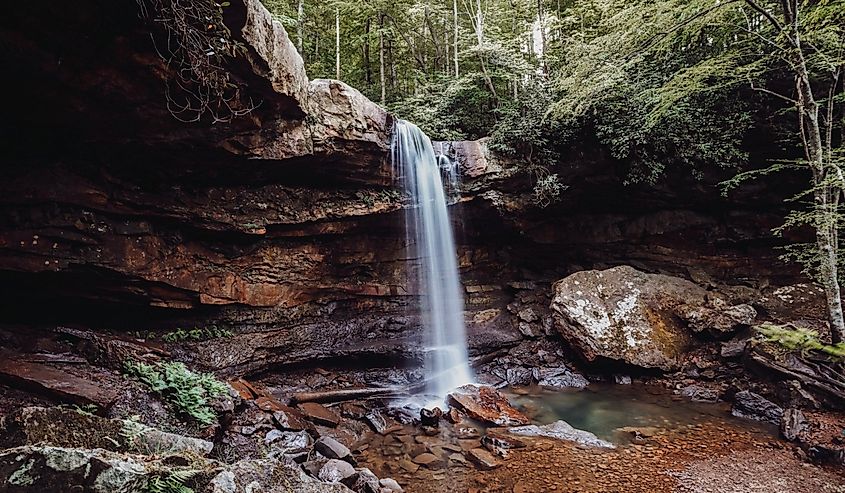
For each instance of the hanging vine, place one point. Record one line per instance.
(196, 44)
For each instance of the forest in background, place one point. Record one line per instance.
(752, 86)
(657, 83)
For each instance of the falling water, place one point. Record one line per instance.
(430, 236)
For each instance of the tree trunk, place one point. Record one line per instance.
(337, 42)
(381, 59)
(479, 35)
(826, 193)
(542, 50)
(438, 51)
(392, 66)
(455, 40)
(300, 21)
(368, 70)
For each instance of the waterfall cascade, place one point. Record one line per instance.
(430, 239)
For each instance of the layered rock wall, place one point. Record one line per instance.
(283, 223)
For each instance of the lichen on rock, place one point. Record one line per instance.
(639, 318)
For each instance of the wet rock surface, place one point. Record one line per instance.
(487, 405)
(754, 406)
(561, 430)
(662, 460)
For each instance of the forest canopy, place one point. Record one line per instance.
(659, 83)
(754, 86)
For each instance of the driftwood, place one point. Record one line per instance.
(820, 376)
(345, 394)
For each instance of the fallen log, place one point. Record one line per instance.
(345, 394)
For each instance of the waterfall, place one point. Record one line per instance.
(430, 239)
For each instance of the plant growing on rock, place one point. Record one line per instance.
(197, 334)
(189, 393)
(171, 482)
(800, 339)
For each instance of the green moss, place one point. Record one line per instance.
(800, 339)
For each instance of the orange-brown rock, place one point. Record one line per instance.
(487, 405)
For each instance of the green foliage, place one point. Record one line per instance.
(370, 198)
(131, 430)
(547, 190)
(801, 339)
(186, 391)
(445, 109)
(693, 134)
(197, 334)
(170, 482)
(522, 128)
(655, 95)
(181, 335)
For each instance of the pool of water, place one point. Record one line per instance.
(603, 409)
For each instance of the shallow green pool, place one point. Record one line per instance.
(603, 409)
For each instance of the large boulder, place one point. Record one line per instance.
(639, 318)
(46, 468)
(64, 427)
(268, 475)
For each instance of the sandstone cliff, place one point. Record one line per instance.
(283, 224)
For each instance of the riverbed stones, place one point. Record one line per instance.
(428, 460)
(430, 417)
(390, 485)
(288, 442)
(319, 414)
(793, 424)
(639, 318)
(561, 430)
(265, 475)
(496, 440)
(559, 378)
(487, 405)
(331, 448)
(482, 459)
(336, 471)
(749, 405)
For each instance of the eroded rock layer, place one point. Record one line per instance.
(283, 226)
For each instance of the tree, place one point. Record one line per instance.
(710, 48)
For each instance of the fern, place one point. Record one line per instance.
(172, 482)
(131, 431)
(197, 334)
(188, 392)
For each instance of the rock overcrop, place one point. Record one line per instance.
(754, 406)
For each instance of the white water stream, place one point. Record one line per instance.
(430, 239)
